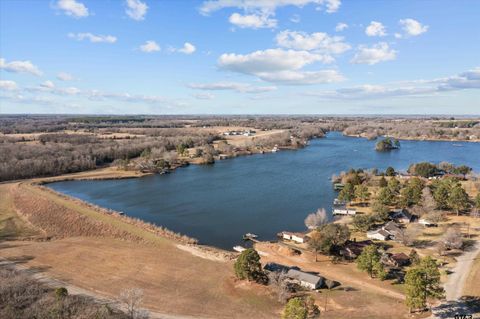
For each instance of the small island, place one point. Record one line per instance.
(387, 144)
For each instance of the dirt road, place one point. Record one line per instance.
(456, 280)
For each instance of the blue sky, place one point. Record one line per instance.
(240, 56)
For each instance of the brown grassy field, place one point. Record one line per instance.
(174, 281)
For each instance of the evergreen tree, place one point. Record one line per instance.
(247, 265)
(369, 261)
(361, 192)
(390, 171)
(295, 309)
(347, 193)
(422, 282)
(458, 199)
(386, 196)
(383, 182)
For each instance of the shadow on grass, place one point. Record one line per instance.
(466, 305)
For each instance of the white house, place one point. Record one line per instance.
(379, 234)
(307, 280)
(343, 210)
(296, 237)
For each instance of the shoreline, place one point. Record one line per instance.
(411, 138)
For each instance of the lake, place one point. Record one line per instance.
(261, 194)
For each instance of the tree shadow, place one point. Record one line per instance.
(466, 305)
(423, 243)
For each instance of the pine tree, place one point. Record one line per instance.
(247, 265)
(369, 261)
(295, 309)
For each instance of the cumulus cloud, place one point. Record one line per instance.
(8, 85)
(210, 6)
(279, 65)
(19, 67)
(318, 41)
(150, 46)
(63, 76)
(463, 81)
(232, 86)
(341, 26)
(412, 27)
(188, 48)
(93, 37)
(136, 9)
(73, 8)
(376, 29)
(252, 21)
(379, 52)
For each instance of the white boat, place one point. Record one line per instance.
(249, 236)
(239, 248)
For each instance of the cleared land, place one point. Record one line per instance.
(174, 281)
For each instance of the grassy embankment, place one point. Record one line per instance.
(104, 254)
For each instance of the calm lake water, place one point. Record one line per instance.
(261, 194)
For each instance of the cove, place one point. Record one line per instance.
(261, 194)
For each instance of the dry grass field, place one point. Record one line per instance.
(174, 281)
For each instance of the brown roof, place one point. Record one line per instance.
(400, 257)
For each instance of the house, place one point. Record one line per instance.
(352, 249)
(274, 267)
(338, 186)
(426, 222)
(378, 234)
(392, 228)
(341, 209)
(296, 237)
(395, 260)
(305, 279)
(401, 215)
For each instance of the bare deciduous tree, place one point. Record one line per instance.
(409, 235)
(316, 219)
(278, 281)
(453, 238)
(131, 299)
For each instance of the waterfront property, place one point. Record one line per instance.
(295, 237)
(305, 279)
(262, 194)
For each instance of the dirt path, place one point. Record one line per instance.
(456, 303)
(75, 290)
(456, 280)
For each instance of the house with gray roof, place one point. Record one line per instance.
(305, 279)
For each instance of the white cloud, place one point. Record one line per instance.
(379, 52)
(318, 41)
(93, 37)
(376, 29)
(136, 9)
(73, 8)
(204, 96)
(302, 77)
(252, 21)
(63, 76)
(8, 85)
(48, 85)
(20, 67)
(188, 48)
(149, 47)
(278, 65)
(232, 86)
(412, 27)
(341, 26)
(462, 81)
(266, 5)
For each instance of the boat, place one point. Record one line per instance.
(249, 236)
(239, 248)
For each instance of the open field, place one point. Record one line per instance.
(174, 281)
